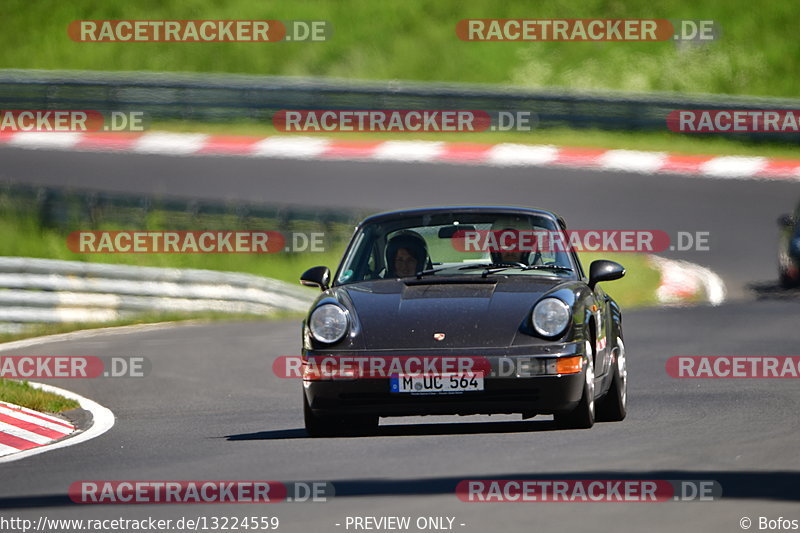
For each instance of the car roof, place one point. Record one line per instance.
(395, 215)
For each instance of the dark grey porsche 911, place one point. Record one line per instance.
(462, 310)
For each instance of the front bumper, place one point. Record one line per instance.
(502, 394)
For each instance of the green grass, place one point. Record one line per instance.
(638, 287)
(22, 394)
(24, 238)
(415, 40)
(654, 141)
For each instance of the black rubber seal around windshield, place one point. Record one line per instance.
(452, 280)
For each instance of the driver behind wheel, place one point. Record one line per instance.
(406, 254)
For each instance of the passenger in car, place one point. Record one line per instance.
(513, 255)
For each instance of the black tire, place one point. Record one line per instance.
(582, 417)
(332, 426)
(614, 405)
(787, 281)
(318, 426)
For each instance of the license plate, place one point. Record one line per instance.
(437, 383)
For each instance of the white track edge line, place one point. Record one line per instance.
(94, 332)
(713, 285)
(102, 420)
(102, 417)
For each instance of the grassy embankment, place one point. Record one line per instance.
(22, 394)
(753, 56)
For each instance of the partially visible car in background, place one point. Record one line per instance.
(789, 249)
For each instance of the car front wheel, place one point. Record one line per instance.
(788, 279)
(316, 425)
(614, 405)
(332, 426)
(582, 417)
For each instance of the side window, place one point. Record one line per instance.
(548, 256)
(374, 265)
(578, 264)
(552, 252)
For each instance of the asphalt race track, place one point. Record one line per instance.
(213, 410)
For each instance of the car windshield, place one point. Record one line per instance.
(458, 244)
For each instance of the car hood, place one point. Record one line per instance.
(487, 312)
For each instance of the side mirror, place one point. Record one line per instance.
(603, 270)
(785, 221)
(319, 276)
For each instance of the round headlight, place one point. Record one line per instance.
(550, 317)
(328, 323)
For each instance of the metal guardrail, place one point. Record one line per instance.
(56, 291)
(219, 97)
(47, 290)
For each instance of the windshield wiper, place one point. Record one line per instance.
(549, 267)
(494, 265)
(430, 271)
(494, 268)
